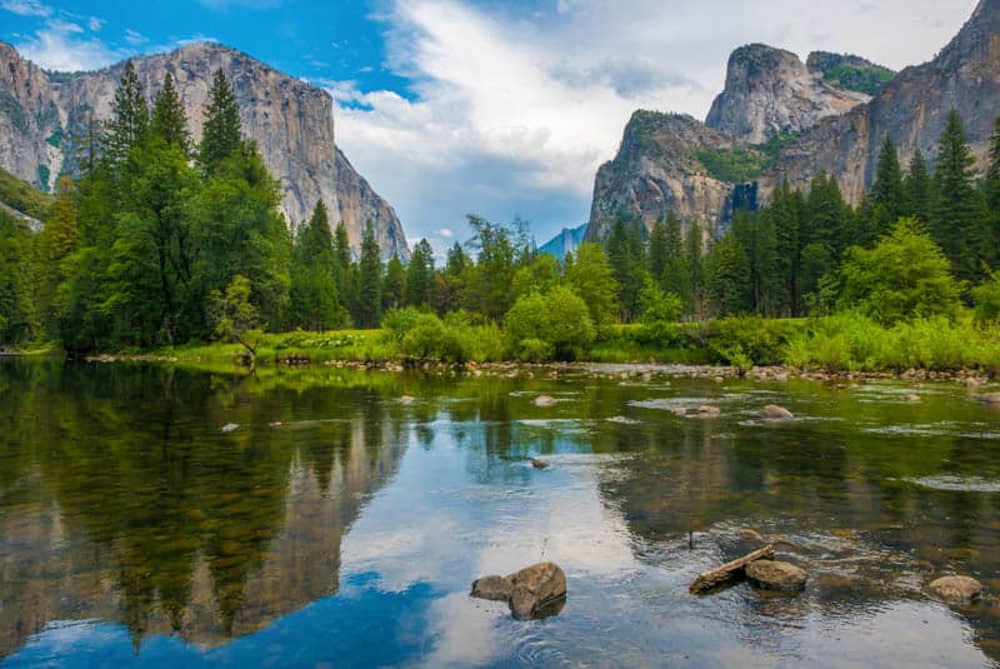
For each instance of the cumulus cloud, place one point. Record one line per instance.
(512, 114)
(134, 37)
(26, 7)
(95, 24)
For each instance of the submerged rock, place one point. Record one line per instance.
(493, 588)
(709, 410)
(993, 399)
(406, 399)
(229, 427)
(539, 464)
(775, 412)
(956, 589)
(534, 592)
(775, 575)
(544, 401)
(752, 536)
(911, 398)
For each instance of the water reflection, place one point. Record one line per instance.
(340, 525)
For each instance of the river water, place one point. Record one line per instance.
(342, 522)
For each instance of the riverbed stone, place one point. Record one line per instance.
(993, 399)
(956, 589)
(709, 410)
(539, 464)
(229, 427)
(535, 587)
(544, 401)
(776, 575)
(493, 588)
(775, 412)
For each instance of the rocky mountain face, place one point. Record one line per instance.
(658, 171)
(567, 241)
(831, 114)
(44, 115)
(911, 110)
(770, 91)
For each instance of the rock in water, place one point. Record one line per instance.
(535, 587)
(993, 399)
(533, 592)
(774, 412)
(709, 410)
(539, 464)
(493, 588)
(775, 575)
(229, 427)
(406, 399)
(544, 401)
(956, 589)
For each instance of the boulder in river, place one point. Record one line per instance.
(993, 399)
(229, 427)
(539, 464)
(774, 412)
(544, 401)
(775, 575)
(533, 592)
(956, 589)
(709, 410)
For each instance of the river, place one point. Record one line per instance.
(344, 518)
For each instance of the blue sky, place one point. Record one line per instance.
(451, 107)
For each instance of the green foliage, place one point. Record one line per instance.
(234, 316)
(23, 197)
(169, 121)
(501, 250)
(559, 319)
(420, 275)
(656, 305)
(129, 121)
(590, 276)
(44, 174)
(369, 304)
(737, 164)
(539, 275)
(728, 268)
(15, 298)
(313, 293)
(904, 276)
(223, 133)
(626, 255)
(869, 80)
(986, 298)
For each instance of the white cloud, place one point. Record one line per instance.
(64, 51)
(26, 7)
(134, 37)
(64, 27)
(95, 24)
(447, 233)
(513, 114)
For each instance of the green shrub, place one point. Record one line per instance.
(559, 318)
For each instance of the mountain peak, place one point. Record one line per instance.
(770, 91)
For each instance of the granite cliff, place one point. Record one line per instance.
(41, 113)
(781, 119)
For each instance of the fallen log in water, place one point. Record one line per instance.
(714, 578)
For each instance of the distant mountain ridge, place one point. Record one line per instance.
(42, 115)
(568, 240)
(781, 119)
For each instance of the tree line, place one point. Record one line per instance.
(163, 240)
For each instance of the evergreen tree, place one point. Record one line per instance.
(369, 311)
(394, 284)
(887, 196)
(695, 244)
(959, 222)
(728, 270)
(756, 234)
(169, 121)
(420, 275)
(501, 250)
(676, 275)
(991, 187)
(919, 189)
(15, 299)
(786, 213)
(657, 256)
(342, 274)
(222, 132)
(625, 253)
(130, 117)
(53, 244)
(314, 300)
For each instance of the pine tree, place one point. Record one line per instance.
(657, 256)
(625, 253)
(314, 300)
(991, 187)
(369, 310)
(130, 117)
(887, 197)
(420, 275)
(676, 276)
(919, 188)
(959, 225)
(695, 254)
(756, 234)
(728, 271)
(342, 274)
(591, 277)
(223, 131)
(53, 244)
(169, 121)
(393, 284)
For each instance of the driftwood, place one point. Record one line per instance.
(714, 578)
